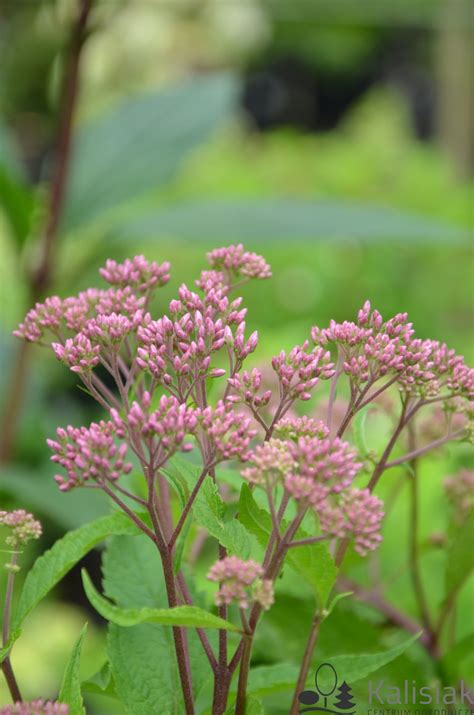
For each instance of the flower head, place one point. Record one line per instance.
(358, 514)
(136, 273)
(300, 371)
(271, 461)
(88, 453)
(78, 353)
(236, 261)
(44, 317)
(241, 581)
(22, 527)
(230, 432)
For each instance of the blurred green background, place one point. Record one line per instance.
(334, 138)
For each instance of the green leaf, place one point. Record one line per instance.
(460, 557)
(70, 692)
(55, 563)
(312, 562)
(338, 597)
(283, 219)
(356, 667)
(102, 682)
(142, 658)
(187, 616)
(267, 679)
(139, 144)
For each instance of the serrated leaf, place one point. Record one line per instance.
(356, 667)
(55, 563)
(312, 562)
(142, 658)
(70, 692)
(187, 616)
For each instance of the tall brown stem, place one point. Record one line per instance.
(40, 278)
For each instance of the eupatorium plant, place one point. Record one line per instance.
(176, 381)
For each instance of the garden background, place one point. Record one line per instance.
(333, 138)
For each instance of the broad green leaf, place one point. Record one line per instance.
(142, 658)
(312, 562)
(55, 563)
(209, 505)
(139, 144)
(267, 679)
(453, 662)
(356, 667)
(460, 560)
(253, 706)
(70, 692)
(283, 219)
(188, 616)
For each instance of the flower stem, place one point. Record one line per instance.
(305, 665)
(244, 666)
(6, 664)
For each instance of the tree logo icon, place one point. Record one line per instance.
(328, 697)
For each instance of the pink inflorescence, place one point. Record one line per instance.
(323, 467)
(236, 261)
(246, 386)
(371, 349)
(357, 514)
(271, 462)
(300, 371)
(88, 454)
(295, 427)
(78, 353)
(167, 426)
(229, 431)
(241, 581)
(43, 317)
(137, 273)
(36, 707)
(22, 525)
(179, 349)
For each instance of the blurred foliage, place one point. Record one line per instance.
(148, 178)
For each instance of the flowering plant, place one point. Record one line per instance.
(180, 406)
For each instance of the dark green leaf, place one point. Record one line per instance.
(284, 219)
(139, 145)
(54, 564)
(70, 692)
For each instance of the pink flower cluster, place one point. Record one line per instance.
(271, 461)
(246, 386)
(299, 371)
(88, 454)
(234, 261)
(179, 350)
(131, 279)
(78, 353)
(295, 427)
(230, 432)
(36, 707)
(22, 527)
(357, 514)
(170, 423)
(372, 348)
(241, 582)
(138, 273)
